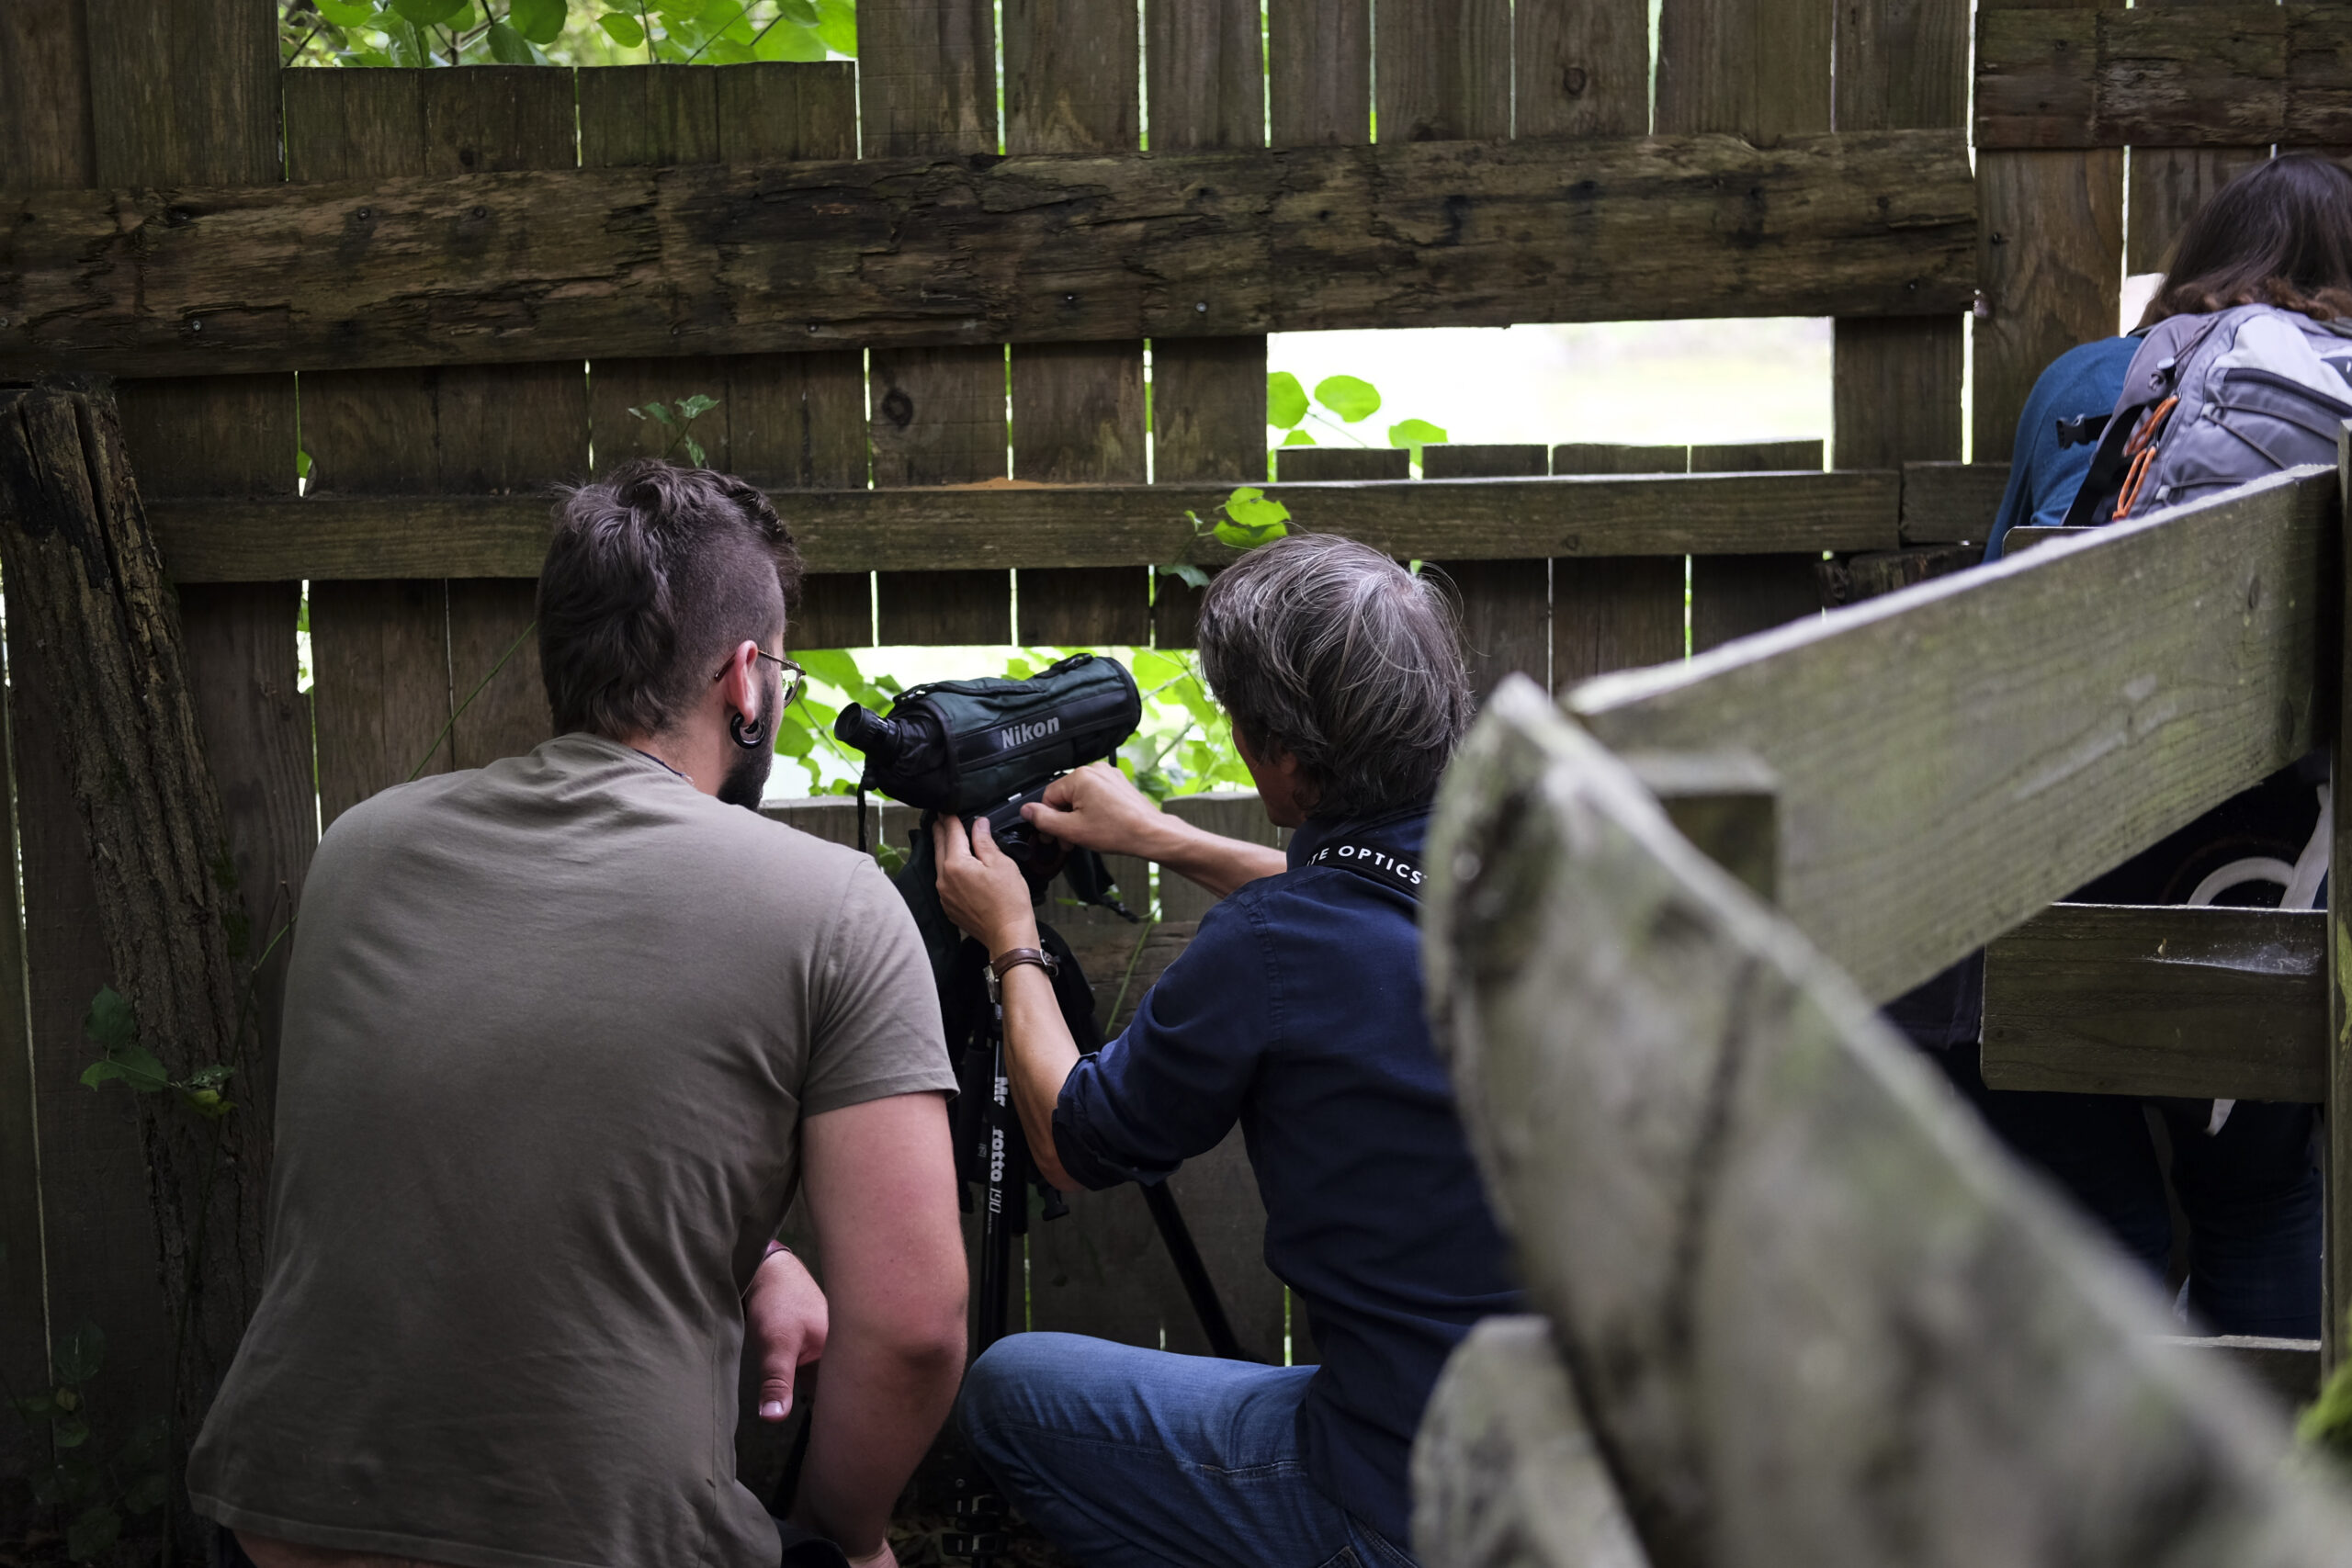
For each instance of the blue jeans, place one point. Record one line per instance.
(1130, 1457)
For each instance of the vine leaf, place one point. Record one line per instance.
(1415, 434)
(1286, 401)
(1351, 397)
(623, 30)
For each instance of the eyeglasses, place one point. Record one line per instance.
(799, 684)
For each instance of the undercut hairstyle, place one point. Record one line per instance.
(655, 574)
(1327, 649)
(2278, 234)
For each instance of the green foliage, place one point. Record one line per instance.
(1247, 519)
(679, 421)
(1351, 397)
(96, 1483)
(558, 32)
(110, 1026)
(1414, 434)
(2325, 1423)
(1286, 401)
(805, 735)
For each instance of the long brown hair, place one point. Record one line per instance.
(2278, 234)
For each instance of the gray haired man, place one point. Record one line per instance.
(1296, 1012)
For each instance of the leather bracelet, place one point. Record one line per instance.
(1014, 958)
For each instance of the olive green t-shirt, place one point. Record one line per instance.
(551, 1027)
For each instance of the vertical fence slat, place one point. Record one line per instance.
(1318, 66)
(1733, 596)
(2169, 185)
(1581, 69)
(1442, 69)
(24, 1334)
(2049, 267)
(1505, 604)
(1071, 80)
(1896, 386)
(383, 694)
(1615, 612)
(784, 421)
(927, 85)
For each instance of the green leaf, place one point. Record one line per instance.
(658, 412)
(798, 13)
(697, 406)
(69, 1431)
(1350, 397)
(1415, 434)
(80, 1356)
(92, 1532)
(133, 1064)
(788, 41)
(834, 666)
(1298, 438)
(146, 1494)
(1189, 574)
(109, 1024)
(1248, 507)
(301, 472)
(625, 30)
(541, 21)
(694, 450)
(507, 46)
(348, 13)
(1285, 400)
(837, 27)
(428, 12)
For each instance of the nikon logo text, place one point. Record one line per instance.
(1014, 735)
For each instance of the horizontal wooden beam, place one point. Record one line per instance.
(722, 259)
(2287, 1367)
(2186, 75)
(2206, 1003)
(2017, 541)
(1006, 525)
(1957, 755)
(1948, 502)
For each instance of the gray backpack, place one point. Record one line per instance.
(2211, 402)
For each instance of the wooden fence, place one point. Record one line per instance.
(1795, 1304)
(447, 288)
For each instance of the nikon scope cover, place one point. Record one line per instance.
(961, 747)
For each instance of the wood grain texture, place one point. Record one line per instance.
(1505, 604)
(2150, 706)
(2051, 265)
(1943, 502)
(1506, 1472)
(1323, 465)
(996, 527)
(1206, 88)
(1812, 1314)
(184, 93)
(894, 253)
(2168, 186)
(1441, 69)
(1580, 68)
(2165, 75)
(1318, 72)
(46, 138)
(24, 1329)
(2198, 1003)
(1743, 69)
(1616, 613)
(1737, 595)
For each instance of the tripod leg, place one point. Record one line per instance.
(1177, 1237)
(997, 1219)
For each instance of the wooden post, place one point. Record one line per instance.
(2335, 1274)
(87, 584)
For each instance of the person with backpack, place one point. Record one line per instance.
(1297, 1011)
(2241, 366)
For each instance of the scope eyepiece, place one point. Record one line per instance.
(880, 739)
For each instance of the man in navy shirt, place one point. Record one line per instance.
(1298, 1013)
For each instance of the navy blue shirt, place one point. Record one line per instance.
(2045, 474)
(1297, 1011)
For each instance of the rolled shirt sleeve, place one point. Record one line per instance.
(1170, 1087)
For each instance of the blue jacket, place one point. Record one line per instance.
(2044, 475)
(1296, 1010)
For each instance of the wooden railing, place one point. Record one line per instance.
(1795, 1305)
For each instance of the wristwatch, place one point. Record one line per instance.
(1005, 963)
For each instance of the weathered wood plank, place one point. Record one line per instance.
(2200, 1003)
(1580, 68)
(24, 1332)
(995, 526)
(1736, 595)
(2025, 727)
(1505, 604)
(1318, 72)
(903, 252)
(1813, 1311)
(2168, 186)
(2287, 1367)
(2184, 75)
(2051, 260)
(1506, 1473)
(1952, 502)
(1617, 614)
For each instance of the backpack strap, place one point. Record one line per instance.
(1369, 861)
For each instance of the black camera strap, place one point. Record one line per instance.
(1384, 866)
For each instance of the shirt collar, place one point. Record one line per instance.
(1318, 831)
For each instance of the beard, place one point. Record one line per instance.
(747, 779)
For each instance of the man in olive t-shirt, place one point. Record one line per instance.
(554, 1028)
